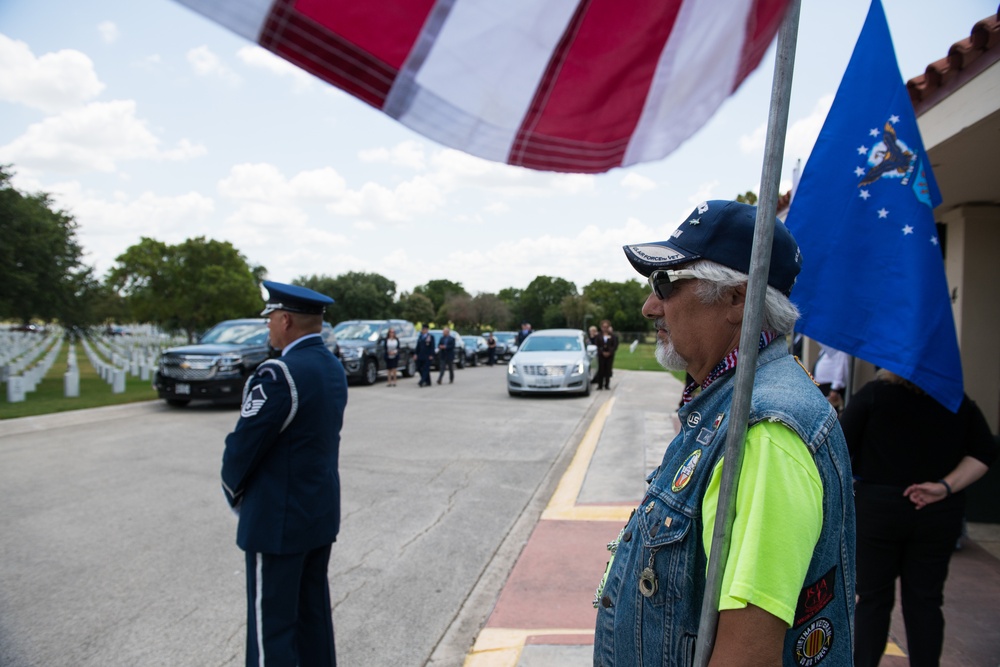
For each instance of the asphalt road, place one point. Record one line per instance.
(117, 547)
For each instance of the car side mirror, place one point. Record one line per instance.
(592, 350)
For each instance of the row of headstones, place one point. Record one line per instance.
(26, 380)
(138, 354)
(113, 373)
(19, 351)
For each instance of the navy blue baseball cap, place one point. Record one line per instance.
(294, 299)
(720, 231)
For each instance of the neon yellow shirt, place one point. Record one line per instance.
(779, 516)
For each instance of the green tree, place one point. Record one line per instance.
(541, 301)
(575, 310)
(511, 296)
(357, 295)
(439, 290)
(491, 312)
(749, 197)
(416, 308)
(41, 268)
(619, 302)
(189, 286)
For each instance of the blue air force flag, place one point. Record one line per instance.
(872, 281)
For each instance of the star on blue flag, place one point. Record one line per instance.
(872, 281)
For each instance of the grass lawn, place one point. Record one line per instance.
(94, 392)
(643, 359)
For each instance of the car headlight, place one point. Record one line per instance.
(230, 363)
(511, 369)
(350, 352)
(578, 369)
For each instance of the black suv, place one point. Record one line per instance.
(361, 348)
(217, 367)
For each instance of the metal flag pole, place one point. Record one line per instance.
(777, 123)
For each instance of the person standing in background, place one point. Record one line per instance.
(425, 355)
(280, 474)
(607, 345)
(446, 355)
(911, 458)
(390, 351)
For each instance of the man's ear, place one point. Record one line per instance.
(736, 303)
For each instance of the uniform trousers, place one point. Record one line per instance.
(896, 540)
(289, 620)
(425, 372)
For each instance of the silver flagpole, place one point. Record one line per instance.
(760, 260)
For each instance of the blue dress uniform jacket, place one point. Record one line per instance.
(280, 466)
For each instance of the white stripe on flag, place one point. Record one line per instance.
(696, 73)
(479, 100)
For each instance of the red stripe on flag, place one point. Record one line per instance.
(591, 96)
(350, 47)
(762, 25)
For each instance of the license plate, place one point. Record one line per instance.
(182, 388)
(546, 382)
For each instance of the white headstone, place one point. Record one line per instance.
(71, 383)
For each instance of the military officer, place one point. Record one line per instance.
(280, 474)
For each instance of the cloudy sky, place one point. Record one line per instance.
(145, 119)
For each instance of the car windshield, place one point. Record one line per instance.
(356, 331)
(237, 333)
(550, 344)
(505, 337)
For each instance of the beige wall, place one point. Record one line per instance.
(972, 265)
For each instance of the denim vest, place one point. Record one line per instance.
(651, 604)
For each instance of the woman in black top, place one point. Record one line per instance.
(911, 458)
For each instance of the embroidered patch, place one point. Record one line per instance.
(814, 597)
(694, 419)
(254, 402)
(705, 437)
(718, 420)
(814, 642)
(685, 472)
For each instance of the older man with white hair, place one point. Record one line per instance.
(788, 588)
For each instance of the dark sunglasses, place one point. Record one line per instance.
(661, 281)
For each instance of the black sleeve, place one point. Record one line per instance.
(979, 440)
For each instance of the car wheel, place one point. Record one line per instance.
(586, 388)
(513, 393)
(461, 361)
(370, 373)
(410, 369)
(178, 402)
(475, 361)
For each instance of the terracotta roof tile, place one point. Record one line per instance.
(966, 58)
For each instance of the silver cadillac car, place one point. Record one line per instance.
(551, 360)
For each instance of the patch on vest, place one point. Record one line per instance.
(686, 471)
(814, 642)
(814, 597)
(694, 419)
(255, 401)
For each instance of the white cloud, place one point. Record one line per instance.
(108, 31)
(636, 184)
(402, 203)
(94, 137)
(406, 154)
(53, 82)
(259, 58)
(265, 182)
(799, 138)
(206, 63)
(802, 134)
(109, 225)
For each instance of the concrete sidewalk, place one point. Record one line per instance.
(544, 615)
